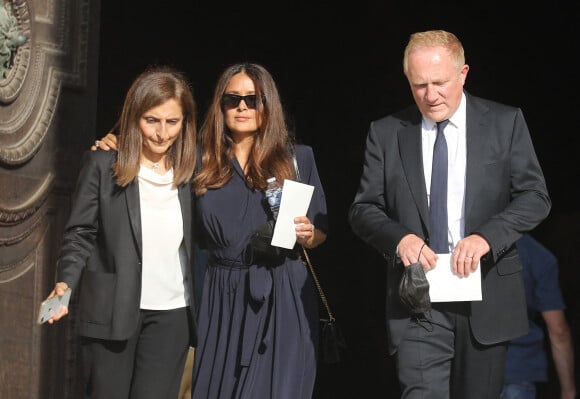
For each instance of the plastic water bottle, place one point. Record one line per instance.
(273, 195)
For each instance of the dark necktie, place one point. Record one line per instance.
(438, 195)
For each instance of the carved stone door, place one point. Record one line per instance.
(48, 81)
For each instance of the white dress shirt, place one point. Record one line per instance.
(455, 135)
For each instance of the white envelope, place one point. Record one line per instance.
(295, 202)
(444, 286)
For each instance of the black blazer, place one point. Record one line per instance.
(505, 195)
(102, 247)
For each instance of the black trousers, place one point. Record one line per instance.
(149, 365)
(438, 358)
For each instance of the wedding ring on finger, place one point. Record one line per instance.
(311, 227)
(97, 143)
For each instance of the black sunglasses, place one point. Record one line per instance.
(230, 101)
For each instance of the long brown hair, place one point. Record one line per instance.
(270, 152)
(151, 88)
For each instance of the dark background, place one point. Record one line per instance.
(338, 67)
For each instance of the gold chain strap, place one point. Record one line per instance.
(309, 264)
(318, 286)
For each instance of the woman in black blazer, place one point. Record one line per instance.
(127, 246)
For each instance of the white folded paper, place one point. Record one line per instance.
(444, 286)
(295, 202)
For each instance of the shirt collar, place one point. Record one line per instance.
(457, 119)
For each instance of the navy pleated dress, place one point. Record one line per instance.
(258, 324)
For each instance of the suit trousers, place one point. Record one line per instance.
(438, 357)
(149, 365)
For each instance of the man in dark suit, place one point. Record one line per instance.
(495, 191)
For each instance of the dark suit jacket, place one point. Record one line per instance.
(505, 195)
(102, 247)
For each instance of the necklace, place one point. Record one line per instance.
(151, 165)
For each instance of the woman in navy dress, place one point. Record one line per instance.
(258, 323)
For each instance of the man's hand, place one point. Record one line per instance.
(468, 253)
(109, 142)
(413, 249)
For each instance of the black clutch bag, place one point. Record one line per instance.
(260, 250)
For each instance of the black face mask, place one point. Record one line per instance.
(414, 289)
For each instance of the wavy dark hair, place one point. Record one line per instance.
(273, 142)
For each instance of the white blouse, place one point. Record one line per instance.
(164, 278)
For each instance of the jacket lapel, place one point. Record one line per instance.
(476, 134)
(412, 160)
(134, 211)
